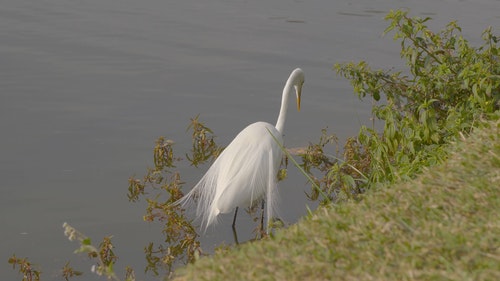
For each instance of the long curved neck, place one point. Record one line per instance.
(287, 91)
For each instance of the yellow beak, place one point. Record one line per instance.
(299, 91)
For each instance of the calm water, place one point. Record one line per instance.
(87, 86)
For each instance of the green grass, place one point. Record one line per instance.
(444, 225)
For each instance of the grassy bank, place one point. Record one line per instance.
(445, 225)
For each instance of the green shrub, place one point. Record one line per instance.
(449, 86)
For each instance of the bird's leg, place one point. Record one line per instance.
(234, 219)
(262, 219)
(235, 236)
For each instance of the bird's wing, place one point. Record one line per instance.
(242, 173)
(251, 160)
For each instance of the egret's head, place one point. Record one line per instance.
(297, 78)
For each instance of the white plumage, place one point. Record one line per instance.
(247, 168)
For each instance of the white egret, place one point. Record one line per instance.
(247, 168)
